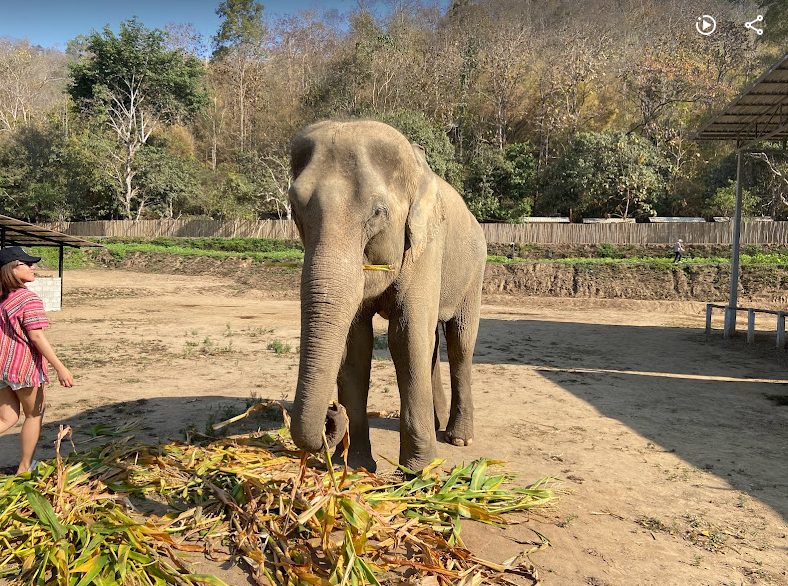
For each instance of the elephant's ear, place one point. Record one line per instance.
(426, 209)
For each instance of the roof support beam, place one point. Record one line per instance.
(60, 271)
(771, 134)
(730, 311)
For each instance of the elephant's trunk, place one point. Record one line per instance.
(332, 287)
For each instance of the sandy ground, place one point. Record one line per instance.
(672, 450)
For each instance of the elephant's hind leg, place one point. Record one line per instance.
(353, 385)
(439, 404)
(461, 332)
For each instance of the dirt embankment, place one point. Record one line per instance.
(542, 251)
(764, 284)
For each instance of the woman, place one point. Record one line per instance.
(24, 352)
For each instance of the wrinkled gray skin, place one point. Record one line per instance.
(363, 194)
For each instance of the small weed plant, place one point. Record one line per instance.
(279, 347)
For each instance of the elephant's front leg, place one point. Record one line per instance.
(411, 341)
(353, 385)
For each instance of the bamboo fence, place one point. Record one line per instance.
(557, 234)
(272, 229)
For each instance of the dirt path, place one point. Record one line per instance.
(672, 450)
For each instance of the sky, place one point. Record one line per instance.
(52, 23)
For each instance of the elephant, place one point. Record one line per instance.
(362, 194)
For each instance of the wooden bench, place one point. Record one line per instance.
(751, 321)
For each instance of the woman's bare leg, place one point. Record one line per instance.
(9, 409)
(32, 401)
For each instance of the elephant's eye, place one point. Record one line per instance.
(379, 212)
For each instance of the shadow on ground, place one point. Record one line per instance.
(183, 418)
(689, 395)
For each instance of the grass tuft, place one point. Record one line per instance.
(279, 347)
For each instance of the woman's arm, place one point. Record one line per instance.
(41, 343)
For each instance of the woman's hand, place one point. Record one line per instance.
(41, 343)
(65, 377)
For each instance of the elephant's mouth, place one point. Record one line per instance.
(369, 264)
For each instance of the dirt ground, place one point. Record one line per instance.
(671, 450)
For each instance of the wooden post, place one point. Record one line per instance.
(60, 273)
(781, 330)
(750, 326)
(708, 319)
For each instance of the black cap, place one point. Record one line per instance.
(13, 253)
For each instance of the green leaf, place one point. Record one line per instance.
(97, 564)
(45, 513)
(354, 514)
(477, 478)
(367, 572)
(123, 559)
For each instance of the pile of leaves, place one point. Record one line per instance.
(290, 518)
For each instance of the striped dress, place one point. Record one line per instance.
(20, 361)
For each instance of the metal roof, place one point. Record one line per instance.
(19, 233)
(759, 113)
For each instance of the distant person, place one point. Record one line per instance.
(678, 250)
(24, 352)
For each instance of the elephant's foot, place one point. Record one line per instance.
(356, 459)
(459, 434)
(416, 463)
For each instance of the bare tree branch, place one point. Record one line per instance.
(779, 174)
(133, 125)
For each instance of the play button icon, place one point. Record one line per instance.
(706, 25)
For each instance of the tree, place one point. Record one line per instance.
(168, 182)
(275, 183)
(134, 84)
(296, 64)
(777, 17)
(505, 61)
(435, 142)
(239, 46)
(723, 202)
(31, 82)
(46, 175)
(776, 170)
(606, 174)
(267, 181)
(184, 37)
(500, 184)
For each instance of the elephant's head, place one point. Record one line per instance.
(361, 194)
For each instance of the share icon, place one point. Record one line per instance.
(751, 24)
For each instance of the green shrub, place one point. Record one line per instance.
(606, 250)
(279, 347)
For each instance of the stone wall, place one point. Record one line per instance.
(48, 289)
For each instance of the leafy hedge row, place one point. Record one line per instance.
(287, 251)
